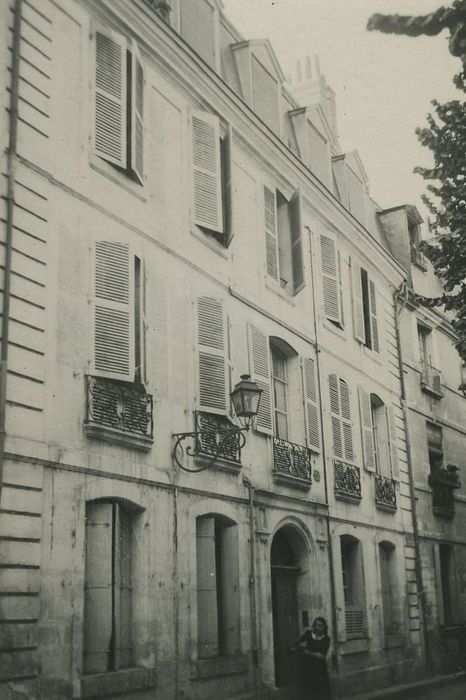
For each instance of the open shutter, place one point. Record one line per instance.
(110, 97)
(358, 312)
(392, 442)
(123, 607)
(347, 426)
(207, 607)
(207, 188)
(113, 311)
(271, 234)
(212, 348)
(259, 367)
(311, 409)
(373, 316)
(367, 430)
(334, 392)
(296, 225)
(330, 281)
(227, 185)
(98, 595)
(137, 114)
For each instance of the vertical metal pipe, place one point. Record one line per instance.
(10, 202)
(412, 493)
(252, 585)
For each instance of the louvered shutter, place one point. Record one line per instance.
(271, 234)
(358, 313)
(207, 607)
(330, 281)
(347, 426)
(212, 348)
(207, 188)
(259, 368)
(335, 418)
(367, 430)
(228, 186)
(311, 409)
(373, 317)
(295, 213)
(98, 620)
(137, 114)
(122, 587)
(113, 311)
(392, 442)
(110, 97)
(141, 321)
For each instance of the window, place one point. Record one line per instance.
(353, 587)
(217, 587)
(388, 578)
(331, 281)
(378, 435)
(435, 447)
(447, 582)
(280, 388)
(119, 318)
(365, 308)
(197, 27)
(424, 337)
(107, 587)
(340, 410)
(119, 103)
(212, 356)
(265, 94)
(212, 177)
(284, 261)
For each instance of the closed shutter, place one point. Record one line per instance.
(137, 114)
(110, 97)
(311, 409)
(212, 348)
(392, 442)
(295, 213)
(122, 587)
(330, 281)
(98, 620)
(207, 189)
(113, 311)
(373, 317)
(271, 234)
(347, 425)
(207, 606)
(228, 186)
(358, 312)
(259, 368)
(367, 430)
(140, 349)
(335, 418)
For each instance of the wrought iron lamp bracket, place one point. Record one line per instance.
(195, 449)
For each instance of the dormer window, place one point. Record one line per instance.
(265, 94)
(197, 27)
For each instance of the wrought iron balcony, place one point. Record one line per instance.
(385, 493)
(291, 463)
(431, 380)
(443, 482)
(119, 412)
(218, 439)
(347, 481)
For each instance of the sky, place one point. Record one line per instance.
(384, 83)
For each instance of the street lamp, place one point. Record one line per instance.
(245, 398)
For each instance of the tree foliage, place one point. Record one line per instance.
(445, 136)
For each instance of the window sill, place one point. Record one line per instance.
(218, 666)
(126, 680)
(354, 646)
(210, 242)
(274, 287)
(293, 481)
(118, 178)
(371, 354)
(220, 463)
(95, 431)
(348, 497)
(333, 328)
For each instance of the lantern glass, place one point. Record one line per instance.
(245, 397)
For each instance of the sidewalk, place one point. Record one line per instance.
(450, 687)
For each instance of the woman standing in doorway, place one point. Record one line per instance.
(313, 646)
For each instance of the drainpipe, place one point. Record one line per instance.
(10, 202)
(412, 489)
(324, 458)
(252, 586)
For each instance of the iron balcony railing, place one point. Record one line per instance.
(347, 485)
(217, 437)
(431, 379)
(292, 461)
(119, 407)
(385, 493)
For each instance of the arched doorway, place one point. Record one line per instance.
(289, 563)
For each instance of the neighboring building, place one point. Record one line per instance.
(177, 217)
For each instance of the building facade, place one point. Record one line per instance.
(175, 216)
